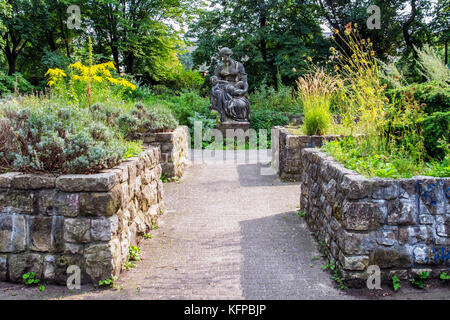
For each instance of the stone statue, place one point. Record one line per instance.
(229, 92)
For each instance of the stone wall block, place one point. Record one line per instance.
(100, 182)
(19, 264)
(362, 216)
(99, 262)
(22, 201)
(443, 225)
(77, 230)
(355, 187)
(101, 204)
(386, 189)
(6, 178)
(397, 256)
(33, 181)
(46, 233)
(3, 267)
(13, 233)
(401, 212)
(357, 263)
(57, 203)
(104, 229)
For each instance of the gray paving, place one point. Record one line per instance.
(229, 232)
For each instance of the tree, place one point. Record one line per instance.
(271, 37)
(386, 40)
(20, 30)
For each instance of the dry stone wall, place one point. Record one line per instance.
(287, 151)
(48, 223)
(174, 148)
(400, 225)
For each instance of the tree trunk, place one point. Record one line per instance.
(446, 52)
(115, 53)
(129, 62)
(408, 24)
(65, 37)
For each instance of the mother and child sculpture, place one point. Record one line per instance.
(229, 92)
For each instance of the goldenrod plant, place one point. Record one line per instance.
(84, 80)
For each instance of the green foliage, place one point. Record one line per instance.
(444, 276)
(42, 288)
(134, 149)
(432, 67)
(435, 130)
(373, 162)
(271, 107)
(8, 84)
(109, 282)
(331, 265)
(30, 278)
(145, 118)
(433, 96)
(418, 282)
(129, 265)
(147, 236)
(316, 92)
(43, 137)
(134, 253)
(301, 214)
(277, 36)
(395, 283)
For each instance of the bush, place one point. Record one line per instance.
(48, 138)
(434, 96)
(267, 119)
(436, 129)
(8, 83)
(316, 92)
(281, 100)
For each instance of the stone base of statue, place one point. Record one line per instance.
(234, 126)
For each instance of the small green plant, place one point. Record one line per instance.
(301, 214)
(129, 265)
(134, 253)
(395, 283)
(30, 278)
(147, 236)
(42, 288)
(444, 276)
(154, 226)
(418, 282)
(164, 179)
(331, 265)
(109, 282)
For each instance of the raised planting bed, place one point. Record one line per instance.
(287, 151)
(174, 148)
(48, 223)
(400, 225)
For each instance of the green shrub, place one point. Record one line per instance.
(434, 96)
(8, 83)
(282, 100)
(316, 92)
(49, 138)
(436, 128)
(267, 119)
(372, 162)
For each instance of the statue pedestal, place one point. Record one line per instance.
(233, 125)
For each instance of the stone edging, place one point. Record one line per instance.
(287, 151)
(174, 148)
(48, 223)
(399, 225)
